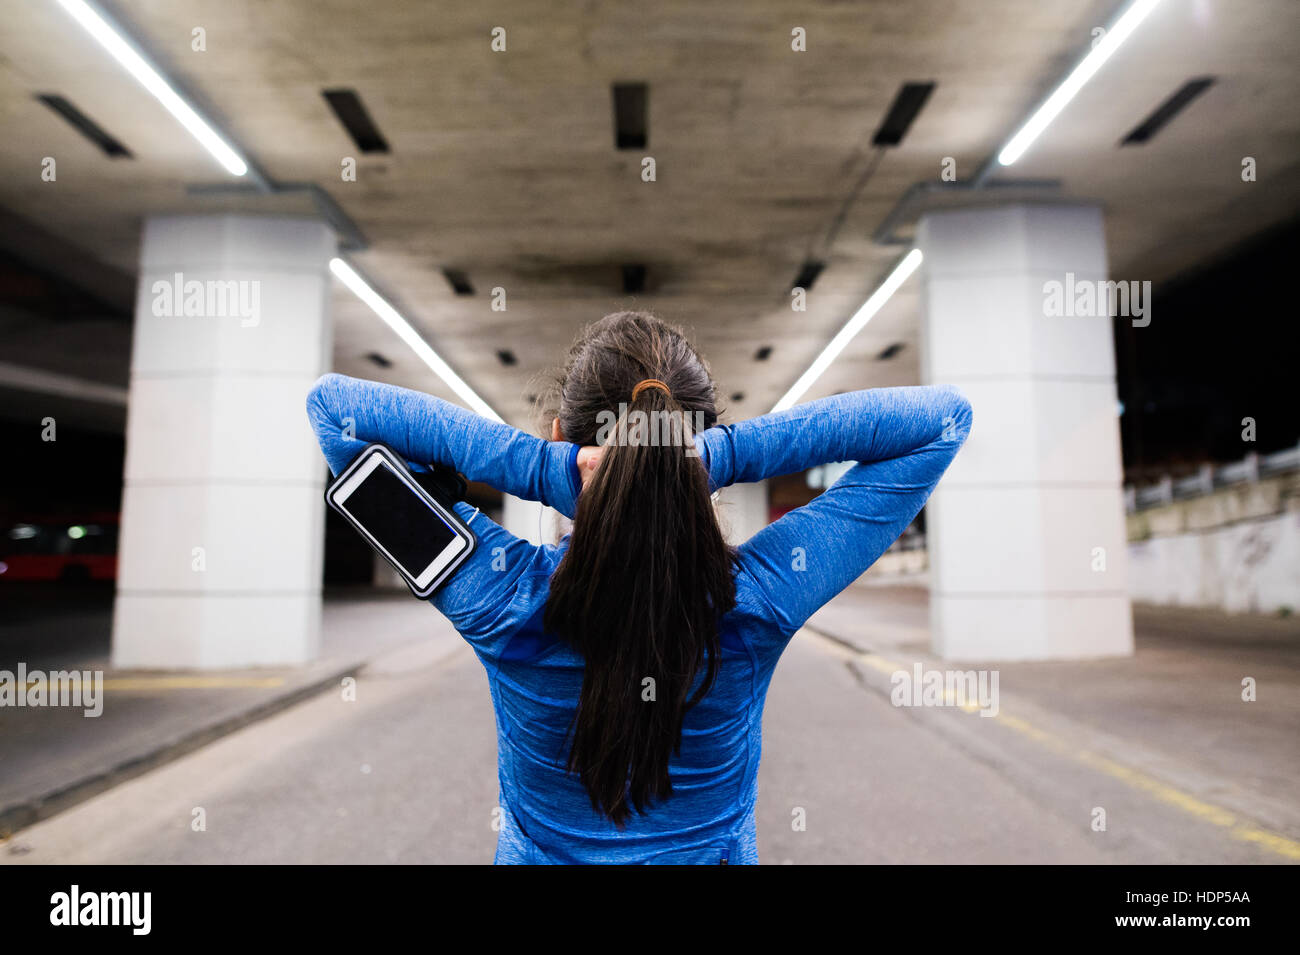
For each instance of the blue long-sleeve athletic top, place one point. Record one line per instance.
(902, 438)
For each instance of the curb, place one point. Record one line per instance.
(28, 812)
(1153, 774)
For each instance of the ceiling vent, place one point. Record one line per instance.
(630, 115)
(458, 281)
(907, 104)
(633, 279)
(351, 112)
(85, 125)
(808, 275)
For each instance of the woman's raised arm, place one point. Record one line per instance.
(349, 413)
(869, 425)
(903, 440)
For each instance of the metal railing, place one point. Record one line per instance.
(1210, 478)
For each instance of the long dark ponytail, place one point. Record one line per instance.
(648, 574)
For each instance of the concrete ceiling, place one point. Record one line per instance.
(503, 165)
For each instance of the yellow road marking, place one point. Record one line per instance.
(193, 682)
(171, 683)
(1206, 812)
(879, 663)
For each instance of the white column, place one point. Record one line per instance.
(1026, 531)
(742, 511)
(222, 517)
(386, 576)
(531, 520)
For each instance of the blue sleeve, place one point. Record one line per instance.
(903, 440)
(349, 413)
(486, 600)
(825, 431)
(479, 599)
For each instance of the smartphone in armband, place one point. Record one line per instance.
(422, 537)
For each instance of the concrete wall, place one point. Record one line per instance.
(1237, 549)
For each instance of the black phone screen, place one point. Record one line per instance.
(399, 520)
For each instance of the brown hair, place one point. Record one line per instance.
(647, 575)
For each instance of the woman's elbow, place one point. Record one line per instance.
(321, 401)
(318, 394)
(958, 413)
(961, 403)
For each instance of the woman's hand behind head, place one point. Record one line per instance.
(588, 461)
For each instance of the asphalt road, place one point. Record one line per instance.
(407, 773)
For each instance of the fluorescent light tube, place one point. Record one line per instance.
(1070, 86)
(407, 333)
(875, 303)
(111, 39)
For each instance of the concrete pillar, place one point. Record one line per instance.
(742, 511)
(386, 576)
(222, 518)
(1026, 532)
(531, 520)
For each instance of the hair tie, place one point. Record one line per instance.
(650, 383)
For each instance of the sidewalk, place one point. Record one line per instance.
(1165, 727)
(1169, 720)
(55, 757)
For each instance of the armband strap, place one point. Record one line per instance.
(444, 484)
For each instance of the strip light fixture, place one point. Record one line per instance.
(407, 333)
(112, 39)
(1051, 107)
(906, 266)
(109, 35)
(1119, 31)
